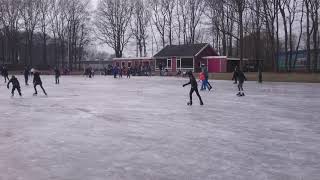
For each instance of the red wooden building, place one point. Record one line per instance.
(184, 57)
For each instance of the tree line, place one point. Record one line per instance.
(60, 30)
(256, 29)
(56, 29)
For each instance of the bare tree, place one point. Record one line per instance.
(141, 20)
(9, 17)
(44, 21)
(112, 21)
(30, 11)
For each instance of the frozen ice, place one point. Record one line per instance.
(142, 128)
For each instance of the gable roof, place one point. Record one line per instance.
(181, 50)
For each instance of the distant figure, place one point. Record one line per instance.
(115, 71)
(37, 81)
(203, 81)
(179, 73)
(241, 78)
(105, 71)
(5, 74)
(206, 75)
(194, 88)
(57, 75)
(129, 72)
(234, 77)
(160, 68)
(15, 85)
(26, 74)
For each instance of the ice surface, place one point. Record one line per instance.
(102, 128)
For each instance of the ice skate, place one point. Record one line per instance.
(35, 94)
(201, 103)
(189, 103)
(239, 94)
(243, 94)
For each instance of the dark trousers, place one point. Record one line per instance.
(57, 80)
(192, 90)
(16, 88)
(35, 88)
(240, 86)
(26, 79)
(5, 78)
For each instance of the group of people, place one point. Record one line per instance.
(238, 76)
(27, 72)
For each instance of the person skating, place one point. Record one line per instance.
(234, 77)
(206, 75)
(203, 81)
(5, 74)
(194, 88)
(57, 75)
(26, 74)
(37, 81)
(15, 85)
(129, 72)
(241, 78)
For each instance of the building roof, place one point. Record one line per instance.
(132, 58)
(186, 50)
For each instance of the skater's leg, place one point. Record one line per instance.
(35, 89)
(190, 94)
(19, 91)
(44, 91)
(200, 99)
(12, 91)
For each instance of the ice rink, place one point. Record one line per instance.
(142, 129)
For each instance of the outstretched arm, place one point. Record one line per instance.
(187, 84)
(9, 83)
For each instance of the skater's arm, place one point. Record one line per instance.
(187, 84)
(9, 83)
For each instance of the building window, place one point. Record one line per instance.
(129, 64)
(187, 63)
(169, 63)
(178, 63)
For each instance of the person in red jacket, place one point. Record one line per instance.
(202, 78)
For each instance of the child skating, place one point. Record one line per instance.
(57, 75)
(194, 88)
(15, 85)
(37, 81)
(5, 74)
(241, 78)
(26, 74)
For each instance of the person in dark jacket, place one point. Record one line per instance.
(15, 85)
(26, 74)
(241, 78)
(194, 88)
(234, 77)
(57, 75)
(37, 81)
(129, 72)
(5, 74)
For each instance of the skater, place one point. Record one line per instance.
(203, 81)
(37, 81)
(15, 85)
(115, 72)
(206, 75)
(26, 74)
(5, 74)
(235, 75)
(129, 72)
(241, 78)
(194, 88)
(57, 75)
